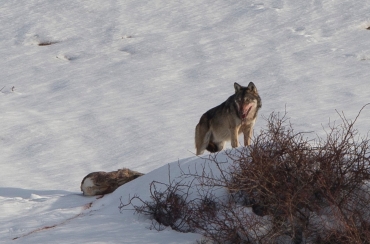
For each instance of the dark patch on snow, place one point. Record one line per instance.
(47, 43)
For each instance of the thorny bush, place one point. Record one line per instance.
(168, 205)
(284, 188)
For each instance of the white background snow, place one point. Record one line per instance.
(124, 83)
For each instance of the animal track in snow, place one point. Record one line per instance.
(258, 6)
(301, 31)
(127, 50)
(365, 25)
(127, 37)
(363, 56)
(39, 41)
(277, 4)
(66, 57)
(47, 43)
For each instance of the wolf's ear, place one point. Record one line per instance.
(237, 87)
(252, 87)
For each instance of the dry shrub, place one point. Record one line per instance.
(313, 191)
(168, 206)
(284, 188)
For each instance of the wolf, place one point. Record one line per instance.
(100, 183)
(226, 121)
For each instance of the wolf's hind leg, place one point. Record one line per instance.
(202, 138)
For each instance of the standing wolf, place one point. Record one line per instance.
(226, 121)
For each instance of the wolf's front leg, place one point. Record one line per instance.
(248, 133)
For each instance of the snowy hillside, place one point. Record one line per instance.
(100, 85)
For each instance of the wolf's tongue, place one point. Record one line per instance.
(246, 111)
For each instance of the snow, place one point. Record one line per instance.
(100, 85)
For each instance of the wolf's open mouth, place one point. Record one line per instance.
(244, 111)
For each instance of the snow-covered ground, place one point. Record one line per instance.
(100, 85)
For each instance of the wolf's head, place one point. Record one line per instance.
(247, 100)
